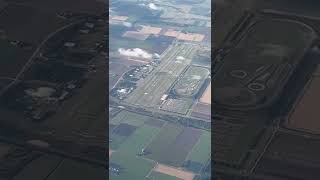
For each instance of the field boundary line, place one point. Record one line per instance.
(193, 147)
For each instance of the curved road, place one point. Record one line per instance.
(35, 53)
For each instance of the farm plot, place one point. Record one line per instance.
(128, 152)
(124, 126)
(127, 43)
(110, 152)
(115, 141)
(158, 147)
(129, 118)
(206, 96)
(131, 167)
(305, 115)
(155, 123)
(160, 176)
(180, 140)
(191, 81)
(117, 67)
(180, 174)
(293, 156)
(174, 61)
(275, 53)
(200, 153)
(202, 111)
(124, 129)
(203, 58)
(138, 140)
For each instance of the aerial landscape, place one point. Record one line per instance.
(159, 90)
(265, 123)
(122, 90)
(53, 90)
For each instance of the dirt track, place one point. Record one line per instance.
(206, 97)
(174, 172)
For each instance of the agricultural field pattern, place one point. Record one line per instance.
(159, 90)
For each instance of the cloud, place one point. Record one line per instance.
(153, 6)
(180, 58)
(136, 52)
(127, 24)
(156, 55)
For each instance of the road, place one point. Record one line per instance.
(35, 53)
(275, 129)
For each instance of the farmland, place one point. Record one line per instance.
(119, 65)
(198, 157)
(174, 172)
(144, 143)
(181, 140)
(206, 97)
(307, 104)
(161, 176)
(47, 56)
(131, 37)
(202, 111)
(126, 162)
(257, 47)
(293, 156)
(159, 63)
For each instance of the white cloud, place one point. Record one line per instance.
(156, 55)
(136, 52)
(153, 6)
(127, 24)
(180, 58)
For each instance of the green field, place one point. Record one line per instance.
(116, 141)
(129, 118)
(138, 140)
(159, 176)
(134, 119)
(127, 148)
(159, 146)
(134, 168)
(131, 43)
(202, 150)
(155, 140)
